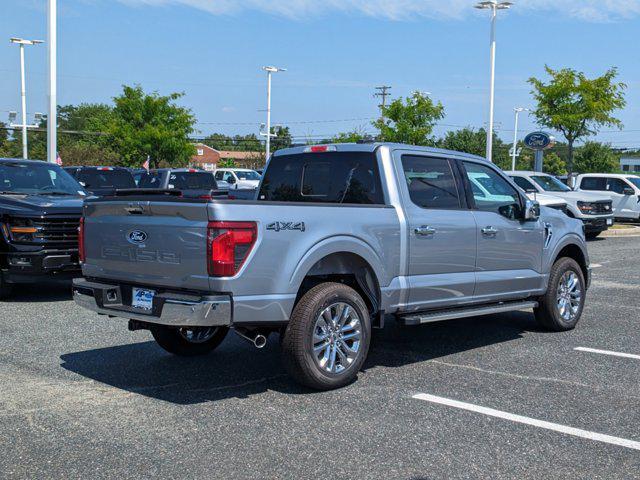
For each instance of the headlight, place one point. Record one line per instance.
(22, 230)
(586, 207)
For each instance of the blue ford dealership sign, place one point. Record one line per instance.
(539, 141)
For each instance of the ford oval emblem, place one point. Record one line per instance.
(137, 237)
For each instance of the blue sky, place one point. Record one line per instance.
(336, 52)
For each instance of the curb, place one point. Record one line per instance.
(623, 232)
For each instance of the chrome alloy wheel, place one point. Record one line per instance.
(336, 338)
(197, 335)
(569, 296)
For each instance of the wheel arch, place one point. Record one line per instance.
(343, 266)
(577, 253)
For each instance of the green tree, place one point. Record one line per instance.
(594, 157)
(354, 136)
(469, 140)
(553, 164)
(410, 120)
(282, 139)
(577, 106)
(151, 125)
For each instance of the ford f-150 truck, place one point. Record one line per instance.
(338, 238)
(40, 209)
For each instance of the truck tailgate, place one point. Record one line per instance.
(149, 243)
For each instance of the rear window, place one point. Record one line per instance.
(593, 183)
(334, 177)
(116, 179)
(192, 181)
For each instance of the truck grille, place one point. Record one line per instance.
(602, 208)
(57, 230)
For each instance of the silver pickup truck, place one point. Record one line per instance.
(338, 238)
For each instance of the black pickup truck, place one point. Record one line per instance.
(40, 209)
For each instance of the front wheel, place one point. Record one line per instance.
(561, 307)
(189, 342)
(327, 339)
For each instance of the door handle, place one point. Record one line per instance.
(489, 231)
(425, 231)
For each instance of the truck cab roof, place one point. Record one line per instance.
(372, 147)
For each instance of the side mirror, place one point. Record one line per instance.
(531, 211)
(628, 191)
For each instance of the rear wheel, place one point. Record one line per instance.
(189, 342)
(5, 288)
(561, 307)
(327, 339)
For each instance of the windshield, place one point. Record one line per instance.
(38, 178)
(108, 179)
(635, 181)
(249, 175)
(192, 181)
(550, 184)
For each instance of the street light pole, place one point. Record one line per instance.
(494, 6)
(514, 153)
(52, 117)
(269, 71)
(23, 91)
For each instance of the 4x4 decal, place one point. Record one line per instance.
(280, 226)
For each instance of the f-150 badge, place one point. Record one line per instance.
(280, 226)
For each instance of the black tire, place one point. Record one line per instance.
(592, 235)
(297, 341)
(5, 288)
(176, 341)
(548, 313)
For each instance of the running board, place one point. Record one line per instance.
(475, 311)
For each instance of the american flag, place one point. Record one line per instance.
(145, 165)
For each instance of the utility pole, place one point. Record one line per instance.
(52, 117)
(494, 6)
(383, 93)
(514, 152)
(23, 91)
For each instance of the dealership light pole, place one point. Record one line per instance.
(268, 134)
(494, 6)
(23, 91)
(514, 153)
(52, 117)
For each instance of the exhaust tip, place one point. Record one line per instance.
(260, 341)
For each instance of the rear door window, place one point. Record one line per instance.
(431, 182)
(331, 177)
(593, 183)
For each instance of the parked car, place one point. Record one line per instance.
(40, 209)
(102, 181)
(622, 189)
(594, 210)
(482, 185)
(192, 182)
(339, 237)
(239, 178)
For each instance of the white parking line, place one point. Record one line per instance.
(608, 352)
(596, 265)
(556, 427)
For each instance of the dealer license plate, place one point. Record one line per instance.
(142, 299)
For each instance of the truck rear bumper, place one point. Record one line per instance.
(170, 309)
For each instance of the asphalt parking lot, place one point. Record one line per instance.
(80, 396)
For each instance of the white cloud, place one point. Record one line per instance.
(589, 10)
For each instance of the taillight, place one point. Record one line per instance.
(81, 252)
(228, 246)
(320, 149)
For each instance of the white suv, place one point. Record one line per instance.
(623, 190)
(239, 178)
(595, 210)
